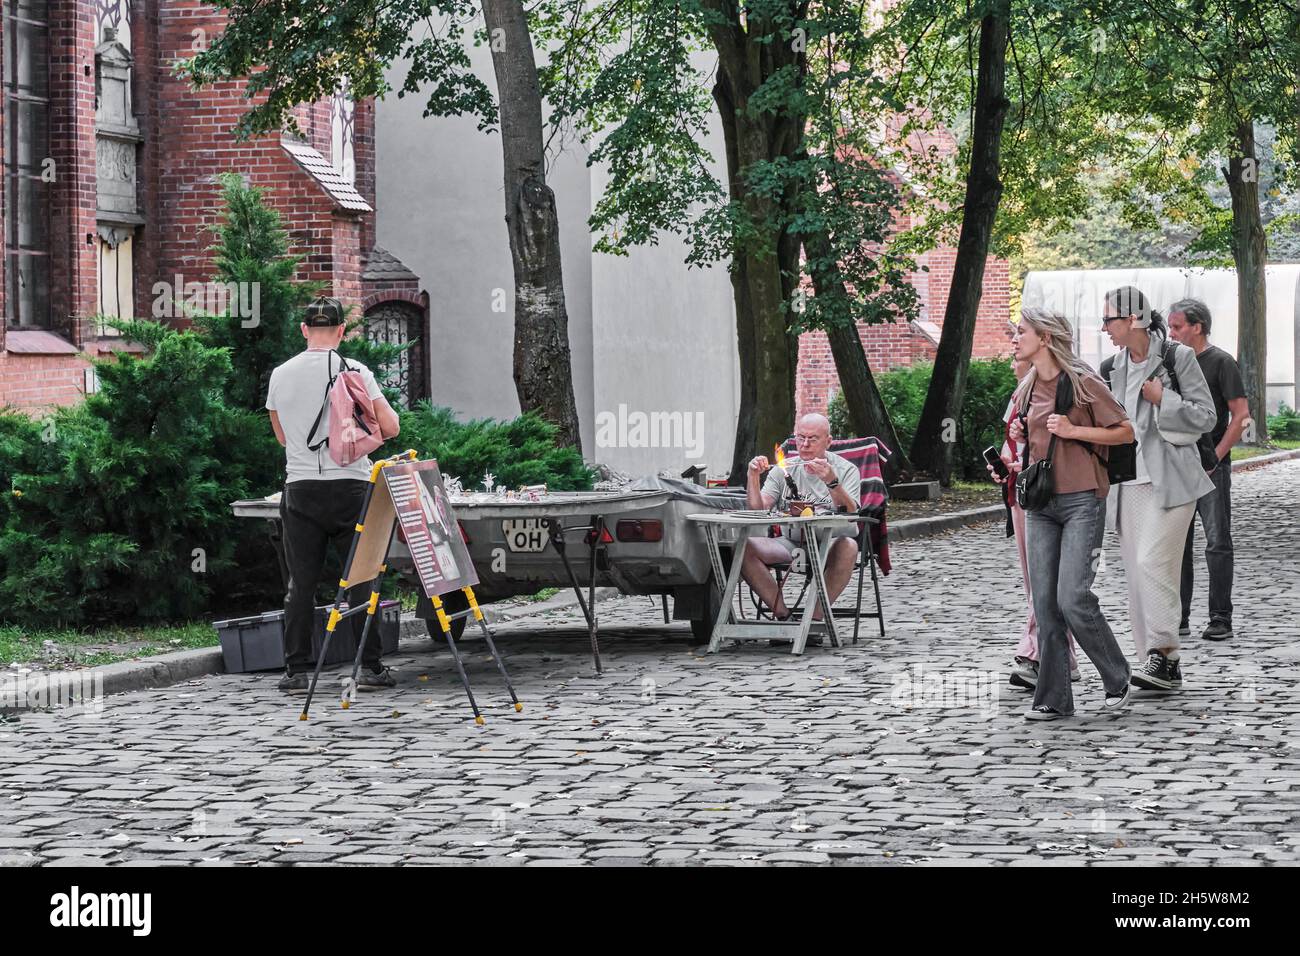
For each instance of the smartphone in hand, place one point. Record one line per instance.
(996, 463)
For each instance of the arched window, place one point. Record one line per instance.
(399, 323)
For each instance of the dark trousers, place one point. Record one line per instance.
(1215, 509)
(315, 515)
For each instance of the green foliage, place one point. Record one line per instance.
(300, 51)
(105, 525)
(518, 452)
(252, 250)
(988, 388)
(1285, 425)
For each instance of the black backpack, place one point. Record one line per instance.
(1205, 444)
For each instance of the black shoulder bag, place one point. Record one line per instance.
(1036, 484)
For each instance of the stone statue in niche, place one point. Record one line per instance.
(117, 134)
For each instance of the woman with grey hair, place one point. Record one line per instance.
(1164, 392)
(1064, 530)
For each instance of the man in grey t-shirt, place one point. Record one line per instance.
(321, 501)
(826, 483)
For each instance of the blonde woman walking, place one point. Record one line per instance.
(1064, 408)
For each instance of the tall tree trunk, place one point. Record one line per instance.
(1250, 254)
(866, 408)
(542, 364)
(760, 282)
(774, 368)
(943, 401)
(744, 448)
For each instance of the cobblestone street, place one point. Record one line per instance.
(906, 750)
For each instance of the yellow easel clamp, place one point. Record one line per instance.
(374, 602)
(473, 604)
(383, 568)
(443, 621)
(376, 468)
(359, 528)
(333, 621)
(343, 583)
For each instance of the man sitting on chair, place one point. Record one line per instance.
(827, 483)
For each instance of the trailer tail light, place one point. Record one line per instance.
(637, 529)
(464, 536)
(605, 537)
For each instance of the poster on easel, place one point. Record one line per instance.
(427, 524)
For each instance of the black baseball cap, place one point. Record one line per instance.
(323, 312)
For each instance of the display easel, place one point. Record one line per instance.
(367, 559)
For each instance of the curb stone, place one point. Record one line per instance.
(168, 669)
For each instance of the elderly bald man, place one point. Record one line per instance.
(825, 481)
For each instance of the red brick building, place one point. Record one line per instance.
(905, 343)
(110, 185)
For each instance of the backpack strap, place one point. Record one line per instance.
(1167, 360)
(325, 402)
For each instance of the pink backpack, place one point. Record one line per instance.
(354, 425)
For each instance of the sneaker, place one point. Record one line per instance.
(1218, 631)
(1114, 704)
(1158, 673)
(294, 683)
(1024, 673)
(1044, 713)
(1075, 676)
(376, 680)
(1184, 629)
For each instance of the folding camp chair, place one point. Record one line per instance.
(872, 536)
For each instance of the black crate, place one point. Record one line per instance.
(257, 643)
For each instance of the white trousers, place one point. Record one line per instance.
(1151, 539)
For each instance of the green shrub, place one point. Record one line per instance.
(105, 522)
(1285, 425)
(989, 385)
(518, 452)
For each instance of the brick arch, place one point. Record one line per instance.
(418, 299)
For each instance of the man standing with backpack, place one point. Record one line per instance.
(1189, 323)
(321, 501)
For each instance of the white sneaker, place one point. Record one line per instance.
(1115, 704)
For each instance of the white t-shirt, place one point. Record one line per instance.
(296, 394)
(812, 489)
(1137, 375)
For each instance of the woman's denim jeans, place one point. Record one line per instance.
(1064, 542)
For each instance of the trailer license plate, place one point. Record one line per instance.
(526, 534)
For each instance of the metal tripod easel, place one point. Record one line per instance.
(371, 606)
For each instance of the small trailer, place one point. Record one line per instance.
(636, 539)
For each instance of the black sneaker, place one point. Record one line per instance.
(1158, 673)
(376, 680)
(1184, 629)
(1218, 631)
(294, 683)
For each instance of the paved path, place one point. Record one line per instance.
(678, 757)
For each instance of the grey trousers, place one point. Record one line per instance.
(1064, 542)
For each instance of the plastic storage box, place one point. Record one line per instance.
(257, 643)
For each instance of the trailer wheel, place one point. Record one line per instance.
(702, 629)
(453, 602)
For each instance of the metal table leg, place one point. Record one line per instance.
(817, 569)
(729, 592)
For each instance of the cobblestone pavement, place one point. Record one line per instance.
(675, 756)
